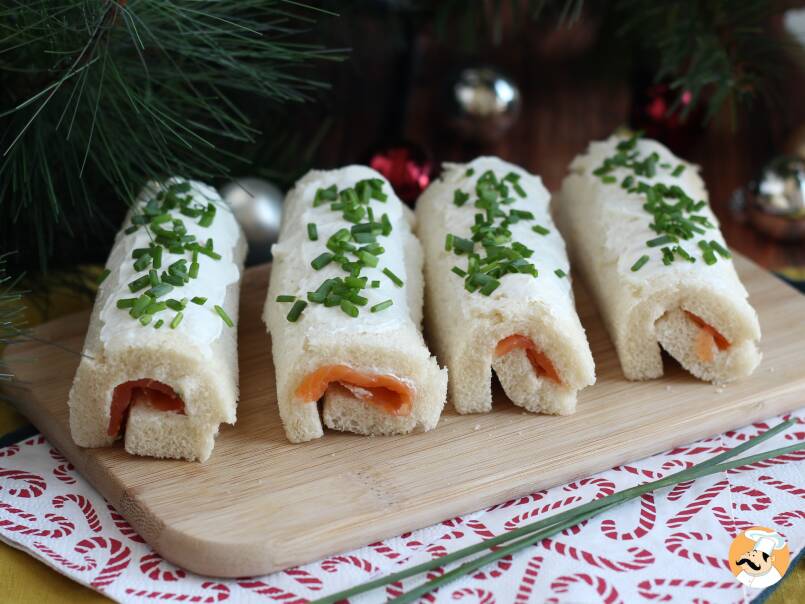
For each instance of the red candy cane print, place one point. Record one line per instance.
(275, 593)
(123, 525)
(641, 558)
(501, 566)
(36, 440)
(651, 589)
(217, 592)
(787, 518)
(150, 566)
(648, 516)
(679, 489)
(532, 498)
(604, 486)
(526, 587)
(672, 464)
(385, 550)
(783, 486)
(86, 507)
(694, 507)
(675, 543)
(63, 473)
(119, 558)
(760, 501)
(9, 451)
(732, 525)
(562, 585)
(304, 578)
(480, 529)
(32, 485)
(515, 521)
(782, 459)
(65, 526)
(479, 595)
(331, 565)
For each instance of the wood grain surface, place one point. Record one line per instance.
(261, 504)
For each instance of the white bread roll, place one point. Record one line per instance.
(467, 327)
(386, 344)
(197, 359)
(643, 300)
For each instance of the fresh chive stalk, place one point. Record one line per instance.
(534, 532)
(224, 316)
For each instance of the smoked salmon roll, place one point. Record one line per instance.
(641, 231)
(344, 309)
(498, 290)
(160, 365)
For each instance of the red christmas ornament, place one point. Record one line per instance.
(406, 166)
(652, 113)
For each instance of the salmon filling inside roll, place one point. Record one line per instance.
(708, 338)
(539, 360)
(385, 392)
(142, 392)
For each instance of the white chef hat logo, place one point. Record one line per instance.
(758, 557)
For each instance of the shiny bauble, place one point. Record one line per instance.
(666, 115)
(776, 201)
(257, 206)
(483, 103)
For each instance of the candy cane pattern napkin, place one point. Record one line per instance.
(670, 546)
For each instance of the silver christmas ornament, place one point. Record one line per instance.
(257, 206)
(484, 103)
(775, 203)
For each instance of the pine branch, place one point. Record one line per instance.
(96, 96)
(719, 52)
(11, 312)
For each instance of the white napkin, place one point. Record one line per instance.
(671, 546)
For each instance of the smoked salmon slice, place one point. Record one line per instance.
(539, 360)
(142, 392)
(708, 336)
(386, 392)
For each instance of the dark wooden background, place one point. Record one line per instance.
(573, 91)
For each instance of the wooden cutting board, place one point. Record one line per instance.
(261, 504)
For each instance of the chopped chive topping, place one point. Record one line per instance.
(672, 210)
(540, 230)
(658, 241)
(394, 278)
(139, 283)
(201, 301)
(161, 217)
(381, 306)
(460, 197)
(349, 308)
(160, 290)
(177, 319)
(296, 310)
(352, 248)
(461, 273)
(225, 317)
(560, 273)
(469, 172)
(104, 274)
(126, 302)
(640, 262)
(722, 251)
(321, 261)
(448, 242)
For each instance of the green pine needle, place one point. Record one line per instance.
(11, 312)
(97, 96)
